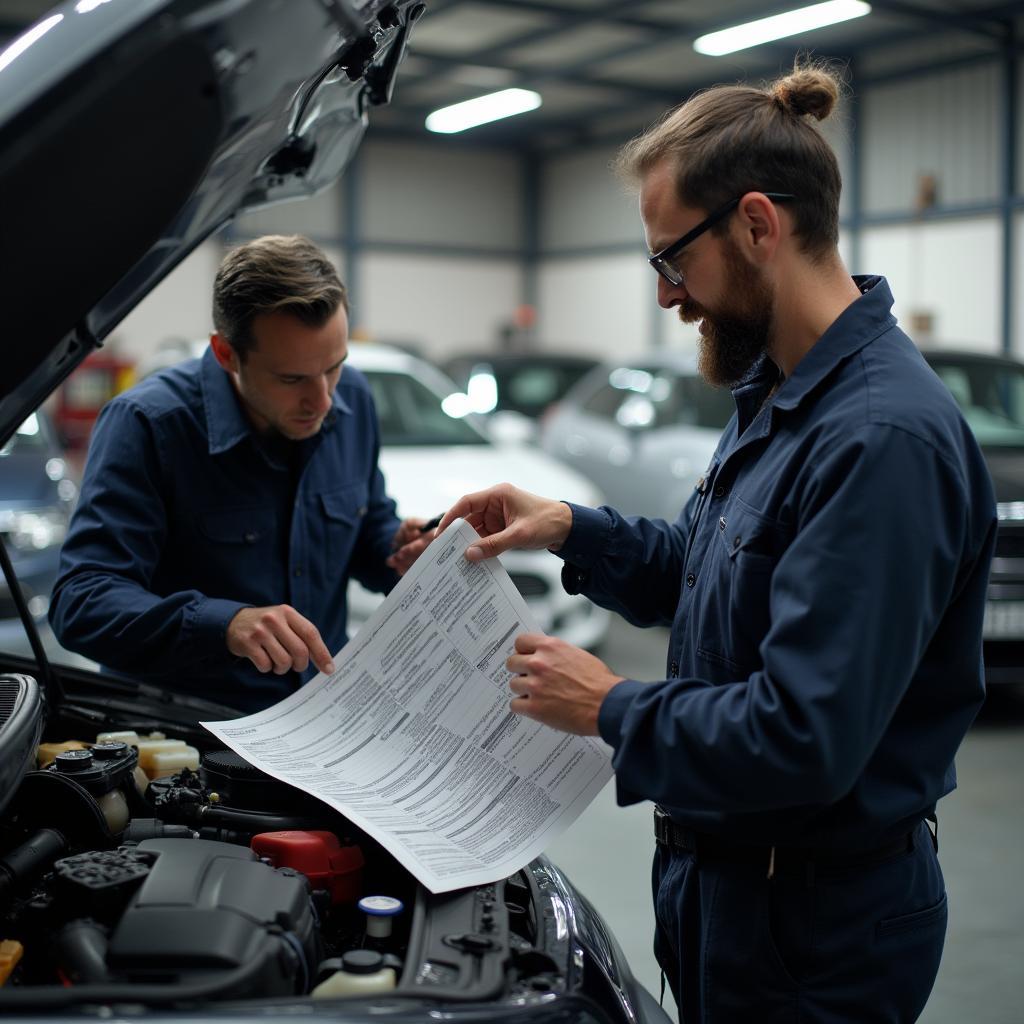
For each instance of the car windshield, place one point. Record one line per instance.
(530, 387)
(652, 397)
(990, 395)
(410, 413)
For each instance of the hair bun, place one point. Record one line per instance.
(807, 90)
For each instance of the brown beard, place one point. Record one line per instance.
(734, 337)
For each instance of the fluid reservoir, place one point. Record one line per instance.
(363, 973)
(380, 912)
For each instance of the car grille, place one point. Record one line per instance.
(1006, 582)
(529, 585)
(10, 689)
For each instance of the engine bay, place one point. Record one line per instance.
(138, 869)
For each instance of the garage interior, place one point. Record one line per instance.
(515, 236)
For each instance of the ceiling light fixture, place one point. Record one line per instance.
(492, 107)
(791, 23)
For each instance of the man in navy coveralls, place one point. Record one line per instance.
(824, 585)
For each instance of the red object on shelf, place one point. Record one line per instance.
(86, 391)
(319, 856)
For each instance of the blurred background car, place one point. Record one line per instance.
(515, 389)
(37, 496)
(653, 414)
(432, 453)
(990, 392)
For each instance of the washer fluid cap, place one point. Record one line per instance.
(362, 961)
(109, 750)
(73, 761)
(381, 906)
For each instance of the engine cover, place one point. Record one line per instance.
(211, 915)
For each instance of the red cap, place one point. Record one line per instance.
(319, 856)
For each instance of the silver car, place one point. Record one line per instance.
(642, 431)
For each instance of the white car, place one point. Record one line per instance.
(644, 430)
(431, 457)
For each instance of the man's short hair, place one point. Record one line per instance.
(275, 273)
(733, 139)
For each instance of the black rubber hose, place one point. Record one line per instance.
(80, 948)
(22, 864)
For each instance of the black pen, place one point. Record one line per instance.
(432, 524)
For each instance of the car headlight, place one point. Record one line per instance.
(34, 530)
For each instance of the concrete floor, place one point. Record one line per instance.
(607, 854)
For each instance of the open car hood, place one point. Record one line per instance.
(130, 130)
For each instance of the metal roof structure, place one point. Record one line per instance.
(605, 69)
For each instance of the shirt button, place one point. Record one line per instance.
(673, 669)
(298, 572)
(720, 491)
(250, 537)
(691, 579)
(737, 541)
(721, 523)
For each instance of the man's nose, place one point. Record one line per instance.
(670, 295)
(318, 393)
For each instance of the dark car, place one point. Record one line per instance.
(135, 129)
(37, 496)
(990, 392)
(515, 389)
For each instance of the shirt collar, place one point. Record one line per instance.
(226, 423)
(858, 325)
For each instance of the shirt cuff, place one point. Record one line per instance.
(588, 538)
(206, 625)
(614, 709)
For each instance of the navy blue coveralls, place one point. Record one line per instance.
(825, 588)
(185, 518)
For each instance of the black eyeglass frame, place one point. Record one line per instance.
(662, 261)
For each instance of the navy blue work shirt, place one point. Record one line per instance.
(825, 588)
(185, 518)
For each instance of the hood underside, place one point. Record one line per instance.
(130, 130)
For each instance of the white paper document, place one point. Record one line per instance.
(411, 737)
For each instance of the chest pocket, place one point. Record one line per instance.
(735, 615)
(344, 511)
(251, 526)
(233, 553)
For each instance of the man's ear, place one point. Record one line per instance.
(223, 352)
(759, 221)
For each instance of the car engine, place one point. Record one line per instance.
(181, 885)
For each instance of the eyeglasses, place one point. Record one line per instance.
(662, 261)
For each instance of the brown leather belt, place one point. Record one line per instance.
(705, 846)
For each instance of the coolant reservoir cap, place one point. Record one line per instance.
(362, 961)
(73, 761)
(108, 751)
(381, 906)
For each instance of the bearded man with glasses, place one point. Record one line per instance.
(824, 586)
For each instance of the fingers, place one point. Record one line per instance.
(409, 530)
(312, 642)
(402, 559)
(277, 639)
(469, 505)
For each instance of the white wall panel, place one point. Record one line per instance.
(425, 195)
(179, 307)
(949, 269)
(583, 203)
(438, 303)
(318, 217)
(946, 125)
(600, 305)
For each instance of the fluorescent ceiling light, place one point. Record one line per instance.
(491, 107)
(764, 30)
